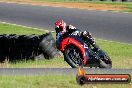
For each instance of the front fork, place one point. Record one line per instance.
(92, 58)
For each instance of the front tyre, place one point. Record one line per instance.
(105, 63)
(72, 56)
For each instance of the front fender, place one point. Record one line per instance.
(77, 43)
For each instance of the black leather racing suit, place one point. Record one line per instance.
(84, 34)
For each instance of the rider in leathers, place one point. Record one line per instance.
(62, 28)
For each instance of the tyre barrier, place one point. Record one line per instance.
(48, 46)
(18, 47)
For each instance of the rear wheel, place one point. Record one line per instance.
(73, 56)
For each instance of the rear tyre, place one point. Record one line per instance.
(73, 56)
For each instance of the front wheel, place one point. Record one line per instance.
(105, 63)
(72, 56)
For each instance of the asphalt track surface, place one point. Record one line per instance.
(59, 71)
(102, 24)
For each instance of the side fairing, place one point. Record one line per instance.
(76, 42)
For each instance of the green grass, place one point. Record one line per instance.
(43, 63)
(50, 81)
(127, 5)
(121, 54)
(11, 29)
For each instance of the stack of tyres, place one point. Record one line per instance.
(1, 48)
(36, 41)
(28, 47)
(23, 46)
(32, 46)
(18, 47)
(48, 45)
(4, 47)
(13, 49)
(40, 48)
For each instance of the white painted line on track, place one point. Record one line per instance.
(24, 26)
(113, 41)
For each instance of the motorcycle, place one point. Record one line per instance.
(77, 52)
